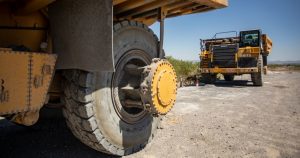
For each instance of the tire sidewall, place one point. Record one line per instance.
(118, 132)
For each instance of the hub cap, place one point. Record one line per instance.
(141, 87)
(160, 78)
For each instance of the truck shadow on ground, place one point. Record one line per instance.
(234, 83)
(50, 137)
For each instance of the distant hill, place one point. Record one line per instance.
(297, 62)
(276, 62)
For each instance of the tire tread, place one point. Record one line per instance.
(79, 111)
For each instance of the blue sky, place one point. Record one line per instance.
(280, 19)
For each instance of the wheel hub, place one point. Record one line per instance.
(160, 79)
(142, 87)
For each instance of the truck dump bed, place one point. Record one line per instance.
(267, 43)
(147, 10)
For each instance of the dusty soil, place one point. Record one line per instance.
(228, 119)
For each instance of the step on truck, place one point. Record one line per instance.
(245, 53)
(99, 60)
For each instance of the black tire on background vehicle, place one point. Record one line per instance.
(92, 108)
(208, 78)
(228, 77)
(257, 78)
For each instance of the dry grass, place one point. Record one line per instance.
(287, 67)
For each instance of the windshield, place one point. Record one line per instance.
(250, 38)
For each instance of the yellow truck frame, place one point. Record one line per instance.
(98, 60)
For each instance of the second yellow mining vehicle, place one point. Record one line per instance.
(245, 53)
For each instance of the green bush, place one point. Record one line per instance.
(183, 68)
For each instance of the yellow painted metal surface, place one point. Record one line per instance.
(242, 53)
(147, 11)
(205, 57)
(14, 82)
(28, 30)
(163, 87)
(229, 70)
(267, 43)
(24, 79)
(26, 118)
(138, 10)
(248, 52)
(29, 6)
(205, 54)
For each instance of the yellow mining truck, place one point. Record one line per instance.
(245, 53)
(97, 58)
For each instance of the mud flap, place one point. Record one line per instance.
(82, 34)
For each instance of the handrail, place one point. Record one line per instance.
(215, 36)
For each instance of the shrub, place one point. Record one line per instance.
(183, 68)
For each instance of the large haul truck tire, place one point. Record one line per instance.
(228, 77)
(257, 78)
(94, 108)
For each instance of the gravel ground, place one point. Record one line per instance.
(228, 119)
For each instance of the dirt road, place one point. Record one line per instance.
(223, 120)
